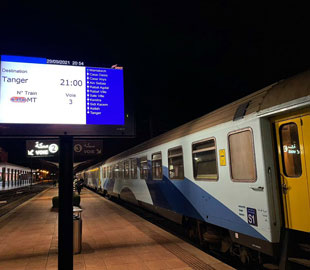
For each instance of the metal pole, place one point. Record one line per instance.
(30, 172)
(65, 220)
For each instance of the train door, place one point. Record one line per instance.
(293, 141)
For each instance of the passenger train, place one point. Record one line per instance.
(237, 178)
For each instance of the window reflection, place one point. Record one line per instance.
(290, 150)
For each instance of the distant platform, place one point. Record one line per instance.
(113, 239)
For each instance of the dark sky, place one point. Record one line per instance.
(182, 59)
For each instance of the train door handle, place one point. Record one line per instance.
(285, 188)
(257, 188)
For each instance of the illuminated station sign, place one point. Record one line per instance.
(50, 148)
(41, 91)
(45, 148)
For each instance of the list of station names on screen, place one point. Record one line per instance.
(96, 84)
(101, 93)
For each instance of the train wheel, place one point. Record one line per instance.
(244, 256)
(192, 230)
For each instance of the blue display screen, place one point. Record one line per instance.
(104, 88)
(43, 91)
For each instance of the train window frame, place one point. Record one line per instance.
(211, 179)
(126, 174)
(161, 165)
(109, 172)
(142, 160)
(133, 168)
(285, 164)
(172, 156)
(248, 129)
(116, 170)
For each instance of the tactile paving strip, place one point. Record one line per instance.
(186, 257)
(182, 254)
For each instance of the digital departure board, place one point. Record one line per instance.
(41, 96)
(41, 91)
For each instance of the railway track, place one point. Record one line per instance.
(9, 199)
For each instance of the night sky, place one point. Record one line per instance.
(182, 59)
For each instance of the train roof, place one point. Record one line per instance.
(282, 92)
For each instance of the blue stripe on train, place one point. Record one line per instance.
(109, 185)
(187, 198)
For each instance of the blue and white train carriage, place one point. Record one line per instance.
(237, 178)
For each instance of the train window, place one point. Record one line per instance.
(126, 169)
(290, 150)
(133, 168)
(104, 172)
(116, 170)
(121, 169)
(242, 157)
(157, 171)
(143, 168)
(204, 160)
(175, 163)
(109, 171)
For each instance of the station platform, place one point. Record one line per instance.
(113, 239)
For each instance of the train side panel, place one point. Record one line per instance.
(238, 206)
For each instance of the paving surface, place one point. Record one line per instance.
(113, 238)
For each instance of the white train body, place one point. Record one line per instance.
(223, 184)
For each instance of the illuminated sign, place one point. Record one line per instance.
(291, 149)
(45, 148)
(43, 91)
